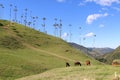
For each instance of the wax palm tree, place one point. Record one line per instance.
(44, 25)
(60, 27)
(21, 18)
(10, 12)
(80, 34)
(29, 23)
(55, 26)
(94, 36)
(15, 11)
(25, 21)
(2, 6)
(70, 33)
(34, 21)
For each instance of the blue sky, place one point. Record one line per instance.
(94, 23)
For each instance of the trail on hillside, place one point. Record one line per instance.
(44, 51)
(50, 53)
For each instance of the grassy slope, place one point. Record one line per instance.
(112, 56)
(98, 72)
(24, 51)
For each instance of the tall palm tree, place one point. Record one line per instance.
(94, 36)
(10, 12)
(25, 21)
(60, 27)
(2, 6)
(29, 23)
(70, 33)
(56, 27)
(80, 35)
(15, 10)
(21, 18)
(44, 25)
(33, 22)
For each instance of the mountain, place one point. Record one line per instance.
(81, 48)
(113, 55)
(94, 52)
(25, 51)
(102, 51)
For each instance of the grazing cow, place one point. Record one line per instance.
(77, 63)
(67, 64)
(115, 63)
(87, 62)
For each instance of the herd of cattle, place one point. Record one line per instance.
(87, 62)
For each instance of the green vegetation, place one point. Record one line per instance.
(112, 56)
(25, 51)
(99, 72)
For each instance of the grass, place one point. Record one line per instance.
(25, 51)
(110, 57)
(94, 72)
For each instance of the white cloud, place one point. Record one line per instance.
(101, 25)
(104, 2)
(93, 17)
(60, 1)
(116, 8)
(91, 34)
(65, 35)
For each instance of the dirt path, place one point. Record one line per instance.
(50, 53)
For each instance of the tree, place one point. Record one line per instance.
(34, 22)
(44, 25)
(15, 10)
(94, 36)
(70, 33)
(56, 27)
(80, 35)
(60, 27)
(29, 23)
(10, 12)
(21, 18)
(1, 6)
(25, 21)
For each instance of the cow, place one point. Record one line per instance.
(87, 62)
(67, 64)
(77, 63)
(115, 63)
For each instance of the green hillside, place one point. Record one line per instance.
(25, 51)
(113, 55)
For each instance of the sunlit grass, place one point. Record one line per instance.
(95, 72)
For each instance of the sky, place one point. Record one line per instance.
(91, 23)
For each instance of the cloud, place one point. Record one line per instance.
(65, 35)
(91, 34)
(81, 4)
(101, 25)
(104, 2)
(60, 1)
(116, 8)
(93, 17)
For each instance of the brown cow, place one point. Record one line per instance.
(87, 62)
(115, 63)
(77, 63)
(67, 64)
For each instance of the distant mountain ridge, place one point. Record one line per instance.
(94, 52)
